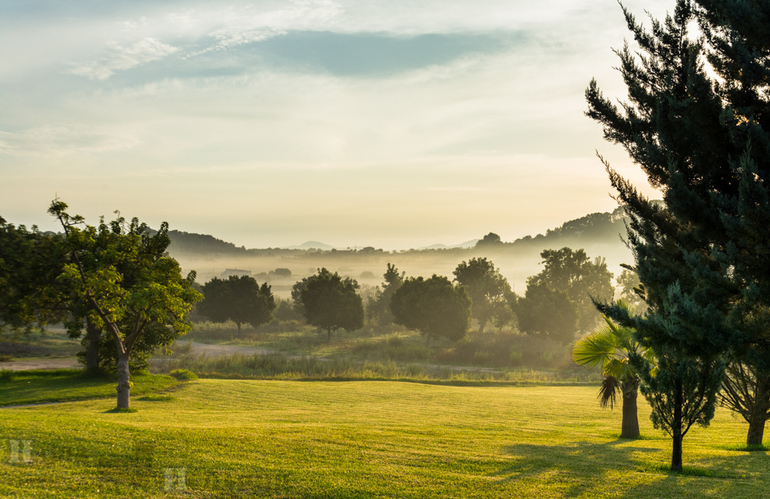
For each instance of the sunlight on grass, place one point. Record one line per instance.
(362, 439)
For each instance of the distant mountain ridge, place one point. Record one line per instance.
(312, 245)
(590, 230)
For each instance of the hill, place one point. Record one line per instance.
(598, 233)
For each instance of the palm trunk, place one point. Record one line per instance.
(630, 424)
(124, 383)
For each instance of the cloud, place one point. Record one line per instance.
(122, 58)
(57, 141)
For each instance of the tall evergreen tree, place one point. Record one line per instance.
(737, 31)
(672, 128)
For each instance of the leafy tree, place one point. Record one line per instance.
(610, 348)
(329, 302)
(485, 286)
(491, 240)
(285, 311)
(131, 286)
(432, 306)
(239, 299)
(547, 311)
(686, 131)
(378, 307)
(30, 261)
(582, 279)
(631, 291)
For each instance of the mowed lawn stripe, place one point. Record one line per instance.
(237, 438)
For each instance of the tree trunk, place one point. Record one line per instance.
(759, 410)
(239, 327)
(427, 340)
(124, 383)
(676, 454)
(92, 346)
(328, 335)
(630, 424)
(676, 429)
(482, 323)
(756, 431)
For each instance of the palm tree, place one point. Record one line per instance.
(610, 347)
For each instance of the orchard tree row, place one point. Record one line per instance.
(558, 302)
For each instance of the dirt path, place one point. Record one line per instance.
(41, 363)
(213, 351)
(198, 349)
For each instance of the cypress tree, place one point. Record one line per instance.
(671, 127)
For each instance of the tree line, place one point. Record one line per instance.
(557, 304)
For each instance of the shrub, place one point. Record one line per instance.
(183, 375)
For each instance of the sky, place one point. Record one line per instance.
(396, 124)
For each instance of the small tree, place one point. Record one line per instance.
(434, 307)
(485, 286)
(129, 283)
(378, 307)
(682, 391)
(239, 299)
(610, 348)
(583, 279)
(546, 311)
(329, 302)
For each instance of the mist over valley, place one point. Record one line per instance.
(599, 234)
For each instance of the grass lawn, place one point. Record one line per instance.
(35, 387)
(249, 438)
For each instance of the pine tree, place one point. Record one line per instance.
(703, 257)
(672, 128)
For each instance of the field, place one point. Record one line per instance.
(270, 438)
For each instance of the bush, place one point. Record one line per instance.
(183, 375)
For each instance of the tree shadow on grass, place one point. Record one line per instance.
(583, 468)
(575, 466)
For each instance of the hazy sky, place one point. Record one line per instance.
(397, 123)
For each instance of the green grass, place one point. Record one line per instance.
(277, 366)
(51, 342)
(35, 387)
(247, 438)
